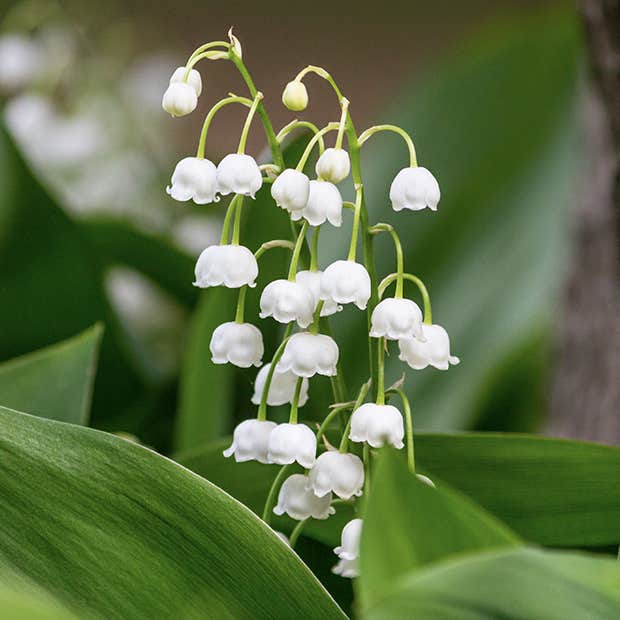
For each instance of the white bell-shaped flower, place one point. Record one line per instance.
(281, 388)
(287, 301)
(307, 354)
(414, 189)
(377, 425)
(299, 502)
(345, 282)
(312, 281)
(292, 442)
(396, 318)
(250, 441)
(335, 472)
(233, 266)
(240, 344)
(238, 173)
(333, 165)
(349, 548)
(324, 204)
(434, 351)
(179, 99)
(194, 79)
(194, 179)
(347, 568)
(291, 190)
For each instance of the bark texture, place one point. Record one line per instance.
(585, 399)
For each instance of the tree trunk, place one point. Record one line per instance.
(585, 398)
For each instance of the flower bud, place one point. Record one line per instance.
(324, 204)
(414, 189)
(377, 425)
(292, 442)
(396, 318)
(238, 173)
(342, 474)
(281, 388)
(240, 344)
(291, 190)
(307, 354)
(349, 548)
(179, 99)
(250, 441)
(345, 282)
(232, 266)
(193, 179)
(333, 165)
(194, 79)
(299, 502)
(434, 351)
(295, 96)
(287, 301)
(311, 280)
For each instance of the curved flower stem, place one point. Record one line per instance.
(240, 313)
(262, 408)
(271, 245)
(237, 224)
(413, 161)
(295, 404)
(356, 223)
(344, 102)
(408, 427)
(380, 400)
(316, 318)
(262, 112)
(297, 124)
(304, 158)
(208, 55)
(314, 250)
(200, 153)
(344, 440)
(207, 46)
(328, 419)
(296, 532)
(227, 218)
(322, 73)
(273, 492)
(301, 238)
(248, 122)
(428, 314)
(400, 262)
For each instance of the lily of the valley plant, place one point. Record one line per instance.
(303, 299)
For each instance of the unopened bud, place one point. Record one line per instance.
(295, 96)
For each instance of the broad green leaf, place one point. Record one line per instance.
(56, 382)
(113, 529)
(519, 584)
(409, 525)
(493, 255)
(117, 242)
(550, 491)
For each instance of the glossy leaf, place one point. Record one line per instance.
(409, 525)
(56, 382)
(550, 491)
(519, 584)
(114, 530)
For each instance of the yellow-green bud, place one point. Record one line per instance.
(295, 96)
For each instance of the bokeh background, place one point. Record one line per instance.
(494, 94)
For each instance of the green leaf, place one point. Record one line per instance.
(113, 529)
(409, 525)
(493, 255)
(56, 382)
(519, 584)
(550, 491)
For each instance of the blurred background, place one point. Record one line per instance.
(521, 259)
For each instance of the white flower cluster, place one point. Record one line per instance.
(300, 299)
